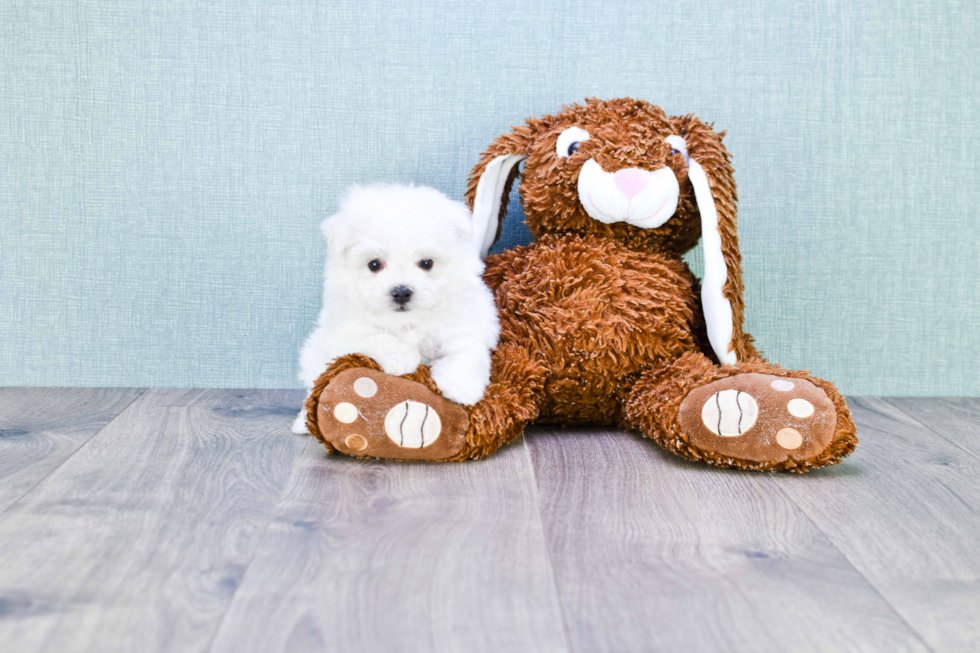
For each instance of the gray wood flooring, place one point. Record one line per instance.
(192, 520)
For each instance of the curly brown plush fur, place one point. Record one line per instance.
(625, 133)
(602, 323)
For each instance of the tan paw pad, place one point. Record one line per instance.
(364, 412)
(759, 418)
(799, 408)
(356, 442)
(365, 387)
(345, 412)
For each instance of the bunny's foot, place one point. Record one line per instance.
(366, 413)
(750, 416)
(358, 410)
(760, 418)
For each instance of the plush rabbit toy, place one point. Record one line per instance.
(601, 321)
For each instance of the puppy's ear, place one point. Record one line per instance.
(462, 220)
(333, 231)
(713, 179)
(490, 182)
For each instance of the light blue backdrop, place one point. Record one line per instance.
(164, 166)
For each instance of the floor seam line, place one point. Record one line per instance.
(928, 428)
(547, 546)
(41, 480)
(258, 546)
(867, 580)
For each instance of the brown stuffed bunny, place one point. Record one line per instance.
(601, 321)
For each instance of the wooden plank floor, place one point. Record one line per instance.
(192, 520)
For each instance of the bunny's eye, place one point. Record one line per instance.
(375, 265)
(569, 141)
(677, 146)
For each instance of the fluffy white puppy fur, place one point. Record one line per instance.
(403, 284)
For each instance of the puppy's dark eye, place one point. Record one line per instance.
(426, 264)
(573, 148)
(673, 152)
(375, 265)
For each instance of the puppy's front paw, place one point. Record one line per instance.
(299, 424)
(460, 383)
(398, 363)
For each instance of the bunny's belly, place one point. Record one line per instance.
(596, 313)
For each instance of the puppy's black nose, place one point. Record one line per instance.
(401, 294)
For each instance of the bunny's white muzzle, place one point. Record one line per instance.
(638, 197)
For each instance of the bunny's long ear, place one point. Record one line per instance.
(490, 182)
(713, 179)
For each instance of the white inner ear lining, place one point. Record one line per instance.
(498, 198)
(487, 203)
(718, 315)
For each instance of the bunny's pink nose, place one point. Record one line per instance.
(630, 181)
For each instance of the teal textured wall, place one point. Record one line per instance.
(164, 166)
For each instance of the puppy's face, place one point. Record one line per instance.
(401, 277)
(400, 250)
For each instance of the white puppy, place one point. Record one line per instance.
(403, 284)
